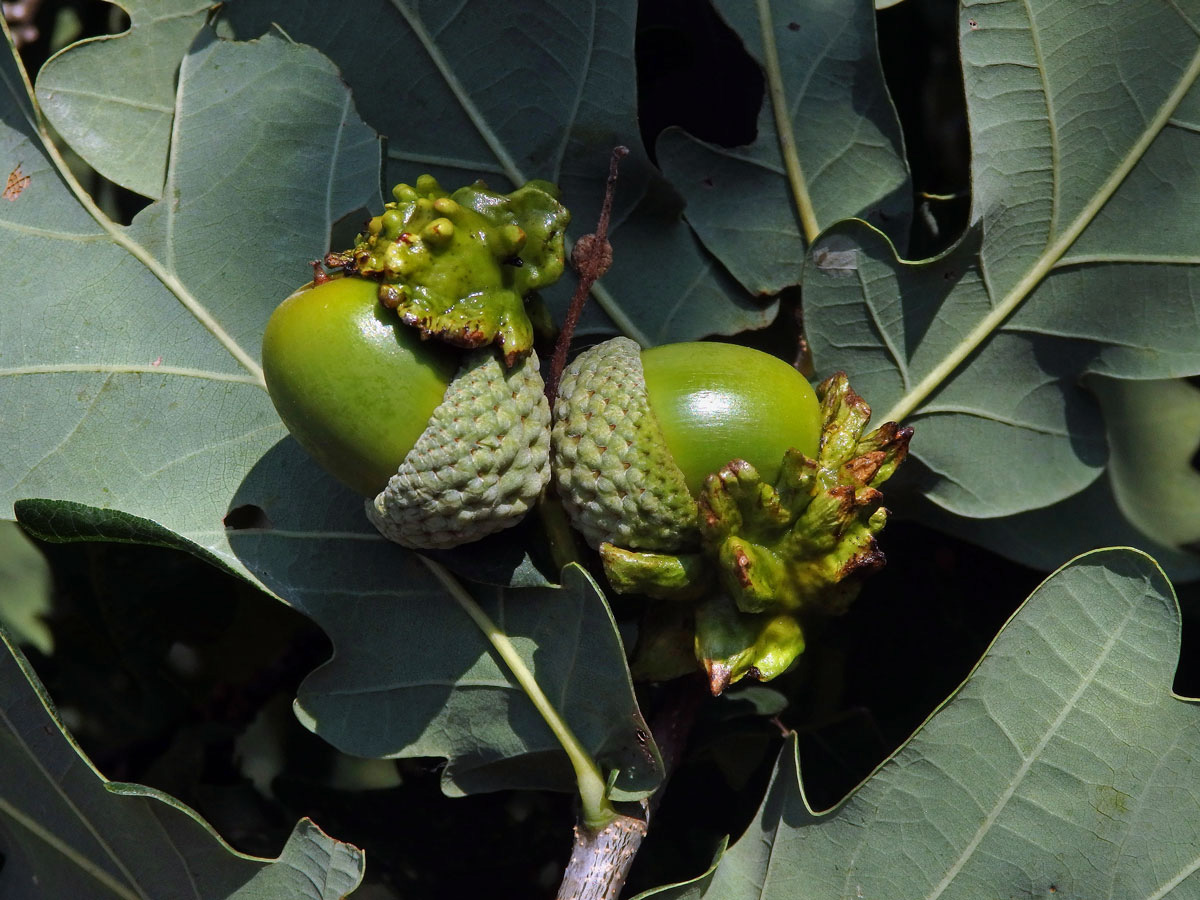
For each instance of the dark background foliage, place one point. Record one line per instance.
(175, 675)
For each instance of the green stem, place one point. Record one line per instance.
(559, 536)
(597, 809)
(783, 125)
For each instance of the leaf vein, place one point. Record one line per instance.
(1023, 770)
(511, 169)
(1046, 261)
(470, 165)
(567, 127)
(86, 864)
(108, 98)
(1051, 125)
(128, 369)
(950, 409)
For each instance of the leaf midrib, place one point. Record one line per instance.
(414, 21)
(57, 844)
(807, 215)
(1048, 259)
(133, 890)
(1027, 764)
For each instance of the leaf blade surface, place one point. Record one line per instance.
(1083, 145)
(758, 207)
(474, 91)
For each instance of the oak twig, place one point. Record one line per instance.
(601, 858)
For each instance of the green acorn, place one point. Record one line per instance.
(448, 447)
(636, 432)
(709, 474)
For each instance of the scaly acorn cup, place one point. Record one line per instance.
(460, 266)
(636, 432)
(795, 549)
(481, 463)
(450, 446)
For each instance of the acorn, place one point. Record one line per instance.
(713, 476)
(410, 374)
(637, 431)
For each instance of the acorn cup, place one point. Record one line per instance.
(450, 446)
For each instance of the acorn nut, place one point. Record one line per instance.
(450, 452)
(637, 431)
(450, 446)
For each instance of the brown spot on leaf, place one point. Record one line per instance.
(17, 182)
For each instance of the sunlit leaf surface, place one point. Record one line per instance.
(1064, 766)
(121, 125)
(1085, 131)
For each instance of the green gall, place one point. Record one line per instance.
(799, 547)
(460, 266)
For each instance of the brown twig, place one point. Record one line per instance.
(591, 258)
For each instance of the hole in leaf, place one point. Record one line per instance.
(248, 516)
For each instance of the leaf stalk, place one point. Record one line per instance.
(783, 126)
(597, 809)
